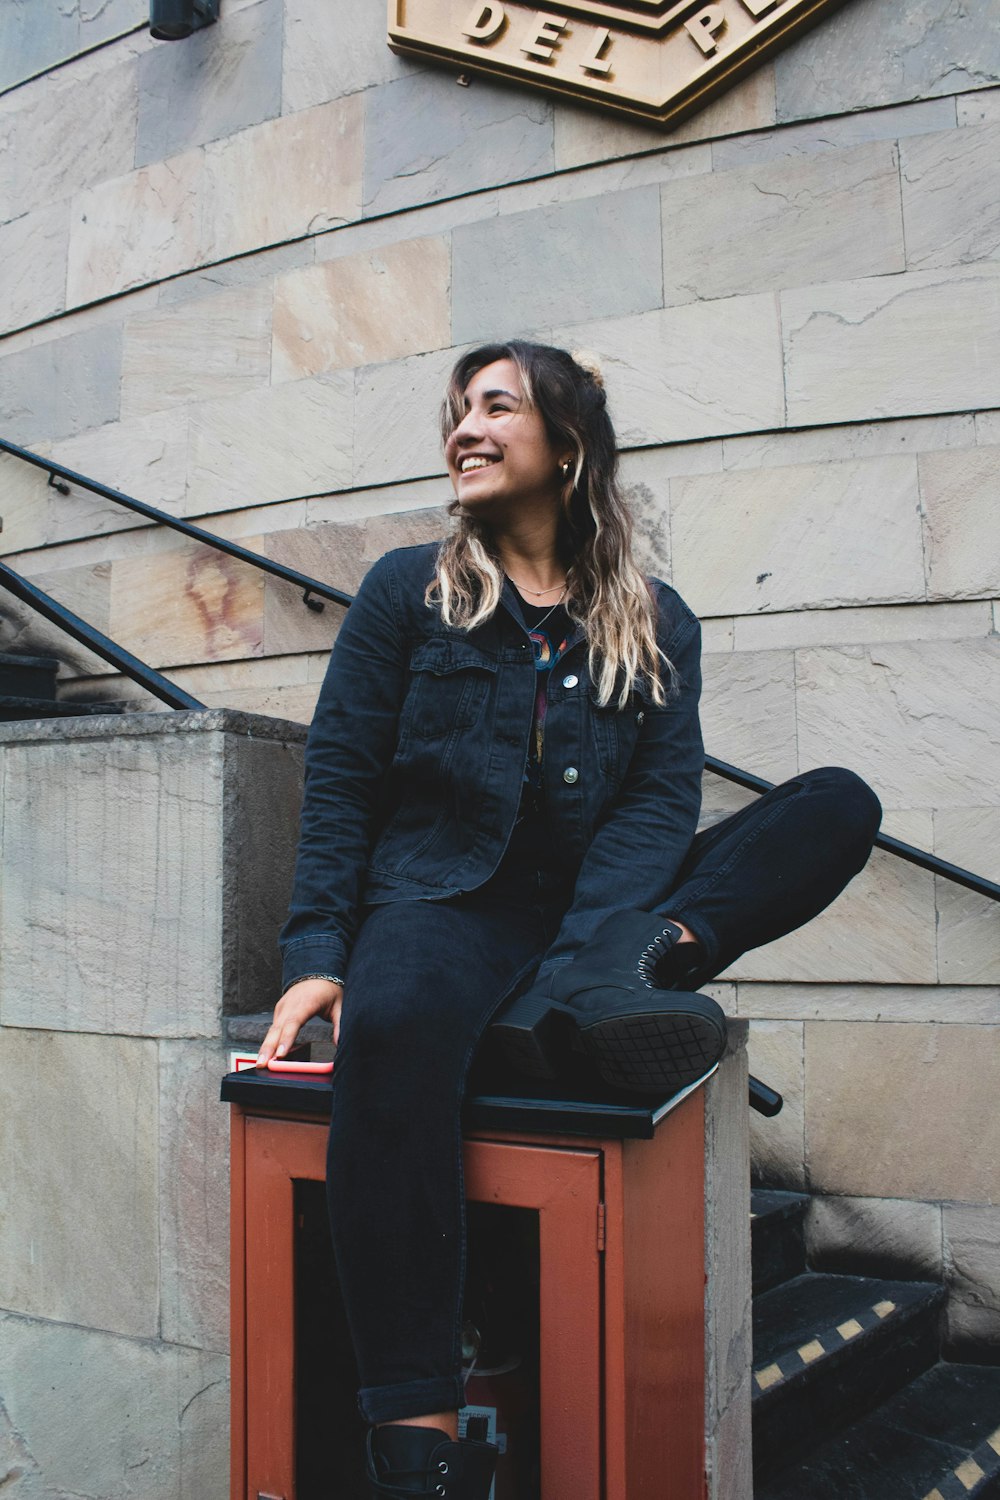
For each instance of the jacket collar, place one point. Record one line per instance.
(510, 600)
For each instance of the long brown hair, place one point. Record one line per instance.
(605, 591)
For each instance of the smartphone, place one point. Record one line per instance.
(284, 1065)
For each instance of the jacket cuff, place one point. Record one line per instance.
(322, 954)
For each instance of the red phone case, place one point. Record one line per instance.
(277, 1065)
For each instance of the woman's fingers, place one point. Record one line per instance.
(281, 1037)
(299, 1003)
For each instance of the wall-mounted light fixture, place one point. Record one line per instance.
(173, 20)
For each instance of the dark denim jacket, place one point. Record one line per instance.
(416, 755)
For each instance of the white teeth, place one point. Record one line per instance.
(476, 463)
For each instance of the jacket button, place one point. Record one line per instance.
(571, 775)
(570, 681)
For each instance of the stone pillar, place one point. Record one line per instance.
(727, 1275)
(146, 865)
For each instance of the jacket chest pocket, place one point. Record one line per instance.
(449, 688)
(616, 731)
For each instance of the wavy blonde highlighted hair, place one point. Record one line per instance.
(606, 592)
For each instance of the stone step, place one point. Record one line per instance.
(939, 1439)
(827, 1350)
(13, 709)
(28, 676)
(777, 1234)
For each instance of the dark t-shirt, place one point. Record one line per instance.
(531, 842)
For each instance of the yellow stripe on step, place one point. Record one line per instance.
(767, 1377)
(850, 1329)
(813, 1350)
(969, 1473)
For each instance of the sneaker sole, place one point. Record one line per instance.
(655, 1052)
(659, 1051)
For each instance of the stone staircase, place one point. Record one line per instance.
(851, 1400)
(28, 690)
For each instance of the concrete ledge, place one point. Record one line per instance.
(166, 722)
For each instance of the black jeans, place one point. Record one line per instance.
(423, 981)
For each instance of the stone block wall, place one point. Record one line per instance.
(130, 931)
(237, 270)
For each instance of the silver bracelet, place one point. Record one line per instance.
(332, 978)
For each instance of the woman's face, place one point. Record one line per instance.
(500, 456)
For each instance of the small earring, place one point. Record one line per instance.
(565, 470)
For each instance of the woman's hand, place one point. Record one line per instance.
(299, 1003)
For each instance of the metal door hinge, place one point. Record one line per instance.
(602, 1219)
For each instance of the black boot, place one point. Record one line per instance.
(405, 1461)
(614, 1002)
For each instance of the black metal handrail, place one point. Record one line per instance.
(60, 476)
(102, 645)
(311, 586)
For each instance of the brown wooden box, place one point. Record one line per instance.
(622, 1278)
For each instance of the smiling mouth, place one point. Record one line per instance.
(475, 461)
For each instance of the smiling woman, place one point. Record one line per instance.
(545, 420)
(502, 793)
(499, 451)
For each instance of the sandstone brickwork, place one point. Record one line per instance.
(237, 271)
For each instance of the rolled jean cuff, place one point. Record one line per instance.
(413, 1398)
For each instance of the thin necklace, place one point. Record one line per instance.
(538, 593)
(539, 623)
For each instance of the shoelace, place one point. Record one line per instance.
(653, 954)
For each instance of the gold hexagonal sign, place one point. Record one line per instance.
(657, 60)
